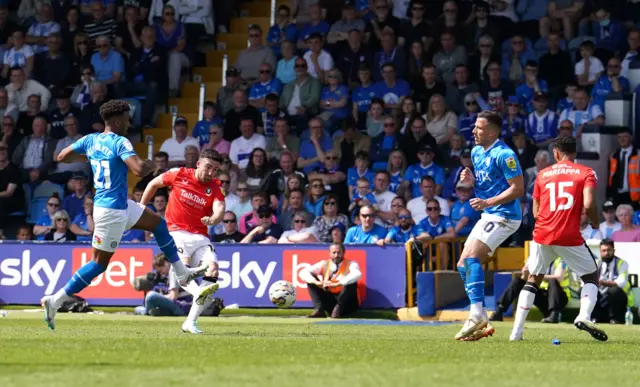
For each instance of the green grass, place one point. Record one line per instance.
(119, 351)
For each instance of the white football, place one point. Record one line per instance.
(282, 294)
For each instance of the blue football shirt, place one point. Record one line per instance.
(435, 229)
(362, 96)
(106, 153)
(415, 173)
(493, 168)
(398, 235)
(396, 179)
(260, 90)
(357, 235)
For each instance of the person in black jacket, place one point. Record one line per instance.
(147, 73)
(60, 228)
(385, 143)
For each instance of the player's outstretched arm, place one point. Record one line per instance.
(153, 186)
(138, 166)
(216, 216)
(66, 152)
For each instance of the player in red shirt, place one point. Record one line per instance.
(560, 193)
(196, 201)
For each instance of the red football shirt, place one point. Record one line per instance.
(190, 200)
(559, 192)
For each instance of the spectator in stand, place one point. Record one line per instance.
(60, 229)
(60, 114)
(80, 58)
(216, 140)
(295, 181)
(39, 31)
(284, 30)
(611, 82)
(5, 109)
(441, 122)
(530, 87)
(633, 41)
(241, 147)
(146, 73)
(513, 121)
(74, 163)
(250, 219)
(555, 66)
(587, 231)
(24, 233)
(300, 98)
(562, 13)
(265, 84)
(418, 205)
(90, 120)
(485, 54)
(396, 168)
(300, 232)
(623, 186)
(197, 17)
(383, 198)
(53, 67)
(452, 155)
(241, 110)
(615, 295)
(368, 232)
(349, 143)
(295, 205)
(21, 88)
(609, 33)
(7, 26)
(224, 96)
(11, 194)
(74, 202)
(390, 53)
(340, 30)
(81, 94)
(337, 233)
(171, 36)
(202, 129)
(628, 232)
(459, 89)
(391, 89)
(449, 189)
(257, 171)
(496, 90)
(83, 225)
(582, 112)
(20, 54)
(610, 224)
(542, 161)
(542, 123)
(417, 58)
(191, 155)
(231, 233)
(382, 21)
(524, 148)
(245, 202)
(282, 142)
(35, 153)
(375, 118)
(589, 69)
(407, 111)
(230, 198)
(418, 138)
(383, 144)
(10, 136)
(319, 61)
(513, 64)
(467, 120)
(565, 129)
(250, 59)
(266, 231)
(435, 224)
(430, 86)
(161, 162)
(449, 57)
(316, 26)
(360, 170)
(285, 69)
(315, 197)
(175, 147)
(25, 119)
(101, 24)
(426, 167)
(108, 65)
(415, 29)
(449, 22)
(397, 205)
(334, 100)
(128, 31)
(362, 95)
(405, 231)
(44, 223)
(271, 114)
(312, 150)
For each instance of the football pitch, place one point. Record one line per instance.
(121, 350)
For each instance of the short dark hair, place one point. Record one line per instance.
(389, 64)
(212, 155)
(383, 172)
(494, 118)
(162, 154)
(340, 246)
(295, 190)
(362, 155)
(531, 63)
(607, 242)
(427, 178)
(113, 108)
(16, 68)
(159, 260)
(588, 44)
(262, 194)
(567, 145)
(272, 97)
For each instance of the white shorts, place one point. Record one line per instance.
(493, 230)
(196, 247)
(110, 224)
(578, 259)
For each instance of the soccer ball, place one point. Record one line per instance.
(282, 294)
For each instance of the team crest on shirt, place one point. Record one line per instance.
(511, 163)
(208, 191)
(487, 161)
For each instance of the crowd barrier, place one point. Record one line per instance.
(30, 270)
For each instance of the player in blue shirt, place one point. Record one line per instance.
(498, 181)
(111, 155)
(201, 128)
(463, 216)
(406, 230)
(426, 167)
(367, 232)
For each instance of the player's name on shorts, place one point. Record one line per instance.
(561, 171)
(194, 198)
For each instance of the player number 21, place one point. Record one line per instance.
(101, 174)
(561, 194)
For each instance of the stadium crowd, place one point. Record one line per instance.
(326, 120)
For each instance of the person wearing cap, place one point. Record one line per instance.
(340, 30)
(425, 167)
(75, 163)
(63, 110)
(266, 230)
(463, 216)
(175, 147)
(301, 231)
(610, 82)
(316, 26)
(513, 121)
(319, 61)
(623, 186)
(202, 128)
(250, 59)
(224, 96)
(531, 86)
(337, 233)
(542, 123)
(610, 224)
(283, 30)
(74, 202)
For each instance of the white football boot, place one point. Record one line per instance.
(191, 327)
(49, 311)
(470, 326)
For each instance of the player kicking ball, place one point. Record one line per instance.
(196, 201)
(498, 185)
(111, 156)
(560, 193)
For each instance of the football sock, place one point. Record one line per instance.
(525, 301)
(80, 280)
(463, 274)
(166, 242)
(475, 285)
(196, 310)
(588, 299)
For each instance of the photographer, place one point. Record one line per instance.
(165, 297)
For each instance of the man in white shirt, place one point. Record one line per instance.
(418, 206)
(20, 89)
(333, 284)
(242, 146)
(301, 232)
(384, 197)
(319, 62)
(175, 147)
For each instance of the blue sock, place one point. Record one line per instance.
(166, 242)
(83, 277)
(463, 274)
(475, 280)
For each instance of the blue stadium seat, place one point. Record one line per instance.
(47, 189)
(27, 200)
(37, 208)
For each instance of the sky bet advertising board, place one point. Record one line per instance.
(29, 271)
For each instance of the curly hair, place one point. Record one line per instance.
(113, 108)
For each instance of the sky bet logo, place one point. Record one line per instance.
(295, 261)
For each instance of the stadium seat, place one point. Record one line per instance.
(47, 189)
(237, 41)
(211, 90)
(37, 208)
(241, 25)
(214, 58)
(256, 8)
(165, 121)
(142, 149)
(191, 90)
(185, 105)
(209, 74)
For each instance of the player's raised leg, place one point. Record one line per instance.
(208, 286)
